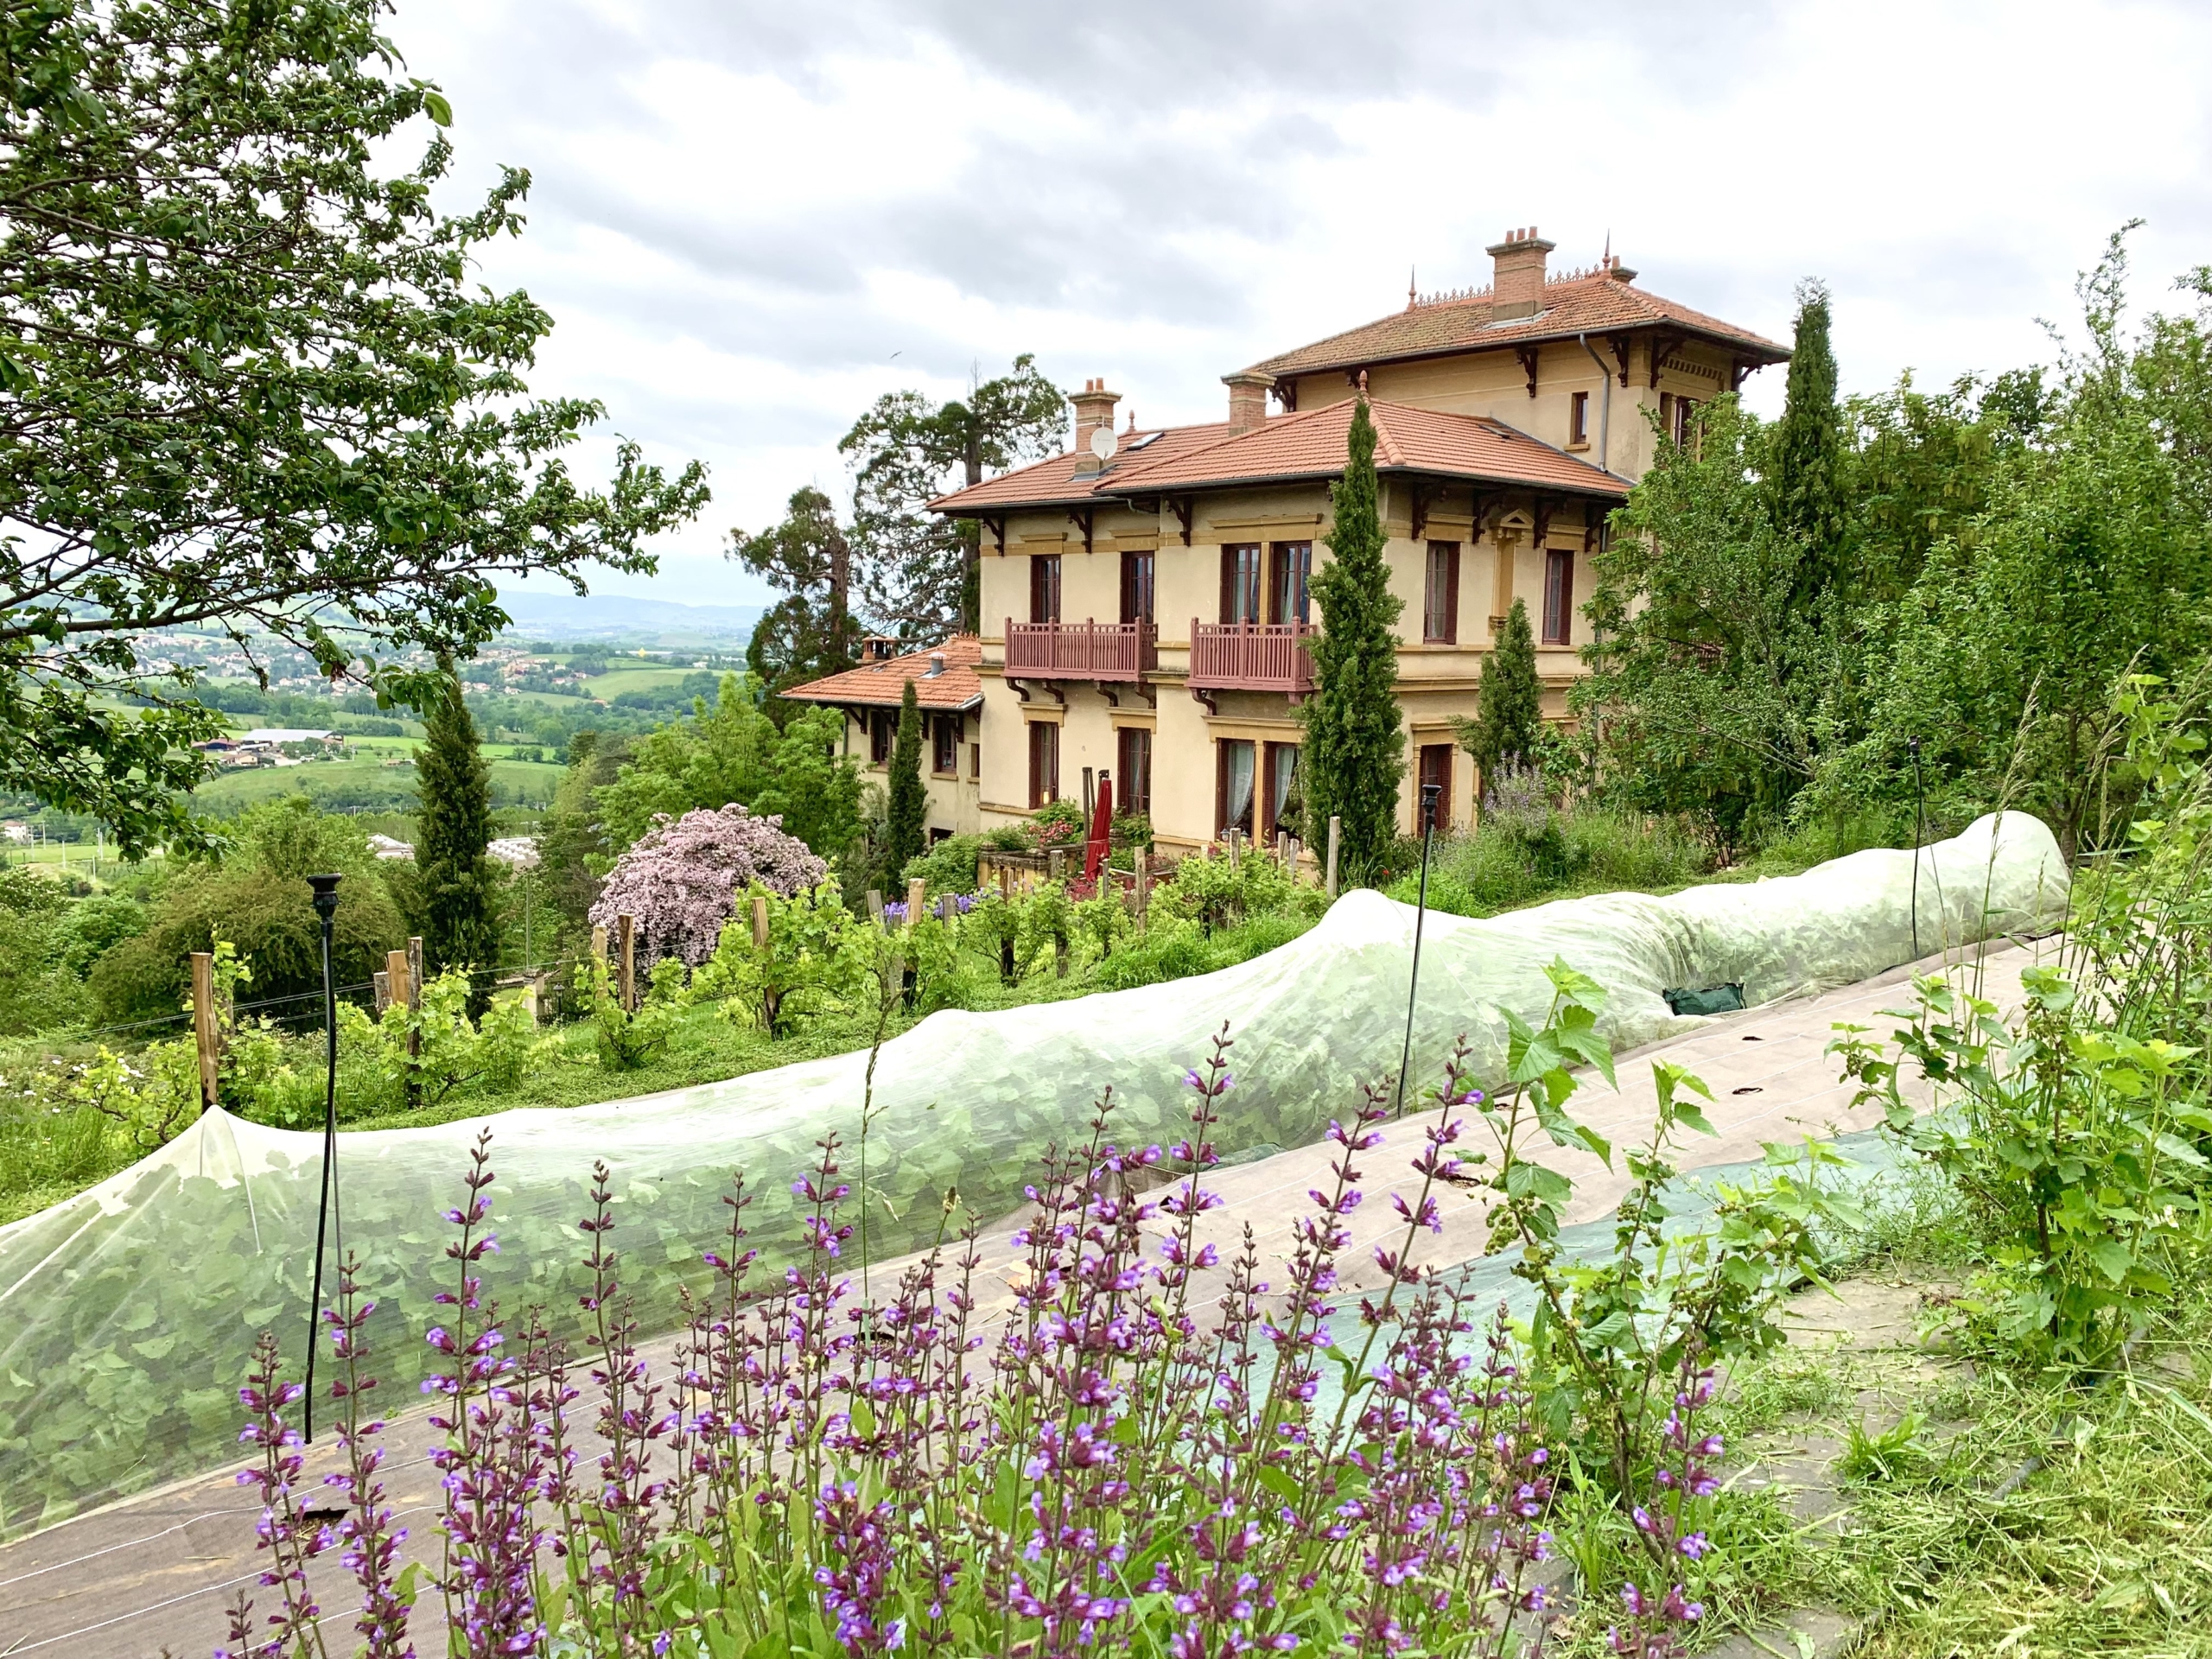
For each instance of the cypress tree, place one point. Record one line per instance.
(910, 802)
(1808, 455)
(461, 925)
(1503, 731)
(1354, 754)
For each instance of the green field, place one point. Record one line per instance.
(366, 783)
(616, 681)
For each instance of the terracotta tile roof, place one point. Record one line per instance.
(1594, 305)
(885, 683)
(1049, 483)
(1312, 444)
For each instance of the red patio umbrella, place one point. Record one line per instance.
(1101, 828)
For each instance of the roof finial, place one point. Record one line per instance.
(1409, 288)
(1606, 260)
(1362, 383)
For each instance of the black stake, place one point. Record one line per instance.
(1429, 794)
(325, 907)
(1919, 827)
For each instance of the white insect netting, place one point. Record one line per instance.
(128, 1313)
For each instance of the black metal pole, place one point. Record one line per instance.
(1919, 826)
(325, 907)
(1429, 794)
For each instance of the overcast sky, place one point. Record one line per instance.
(749, 219)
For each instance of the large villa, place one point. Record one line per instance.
(1146, 604)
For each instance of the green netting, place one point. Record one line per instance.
(127, 1313)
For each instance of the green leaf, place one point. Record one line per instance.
(435, 106)
(2113, 1257)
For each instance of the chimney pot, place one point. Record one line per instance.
(1517, 282)
(937, 665)
(1248, 398)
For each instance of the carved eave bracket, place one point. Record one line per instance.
(1621, 344)
(997, 527)
(1425, 496)
(1205, 700)
(1664, 345)
(1183, 506)
(1082, 518)
(1527, 356)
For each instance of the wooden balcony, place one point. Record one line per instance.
(1251, 657)
(1081, 651)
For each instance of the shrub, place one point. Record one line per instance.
(1524, 849)
(810, 965)
(452, 1055)
(681, 879)
(257, 897)
(948, 867)
(625, 1041)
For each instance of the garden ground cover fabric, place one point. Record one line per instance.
(127, 1313)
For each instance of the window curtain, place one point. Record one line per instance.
(1286, 768)
(1236, 784)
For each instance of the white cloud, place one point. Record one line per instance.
(750, 219)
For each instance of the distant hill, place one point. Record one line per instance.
(618, 616)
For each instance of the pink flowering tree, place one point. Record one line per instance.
(682, 878)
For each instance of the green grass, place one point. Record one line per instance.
(616, 681)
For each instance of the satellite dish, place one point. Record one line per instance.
(1104, 443)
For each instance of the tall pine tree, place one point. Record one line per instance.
(1808, 456)
(1503, 731)
(910, 802)
(461, 925)
(1355, 750)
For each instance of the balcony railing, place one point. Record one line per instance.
(1251, 657)
(1081, 651)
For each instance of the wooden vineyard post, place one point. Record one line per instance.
(771, 997)
(414, 1001)
(1144, 882)
(1055, 865)
(1234, 838)
(918, 900)
(400, 981)
(626, 945)
(1336, 836)
(380, 982)
(876, 906)
(204, 1031)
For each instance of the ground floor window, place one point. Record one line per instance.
(1044, 764)
(1281, 777)
(1233, 781)
(944, 732)
(1133, 761)
(1436, 769)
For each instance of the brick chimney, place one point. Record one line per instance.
(1518, 283)
(1248, 398)
(1094, 408)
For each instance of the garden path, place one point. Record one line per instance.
(154, 1574)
